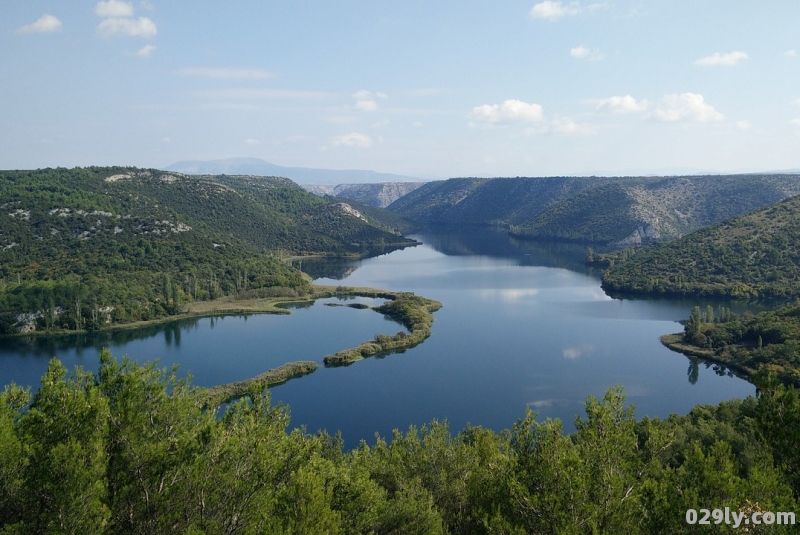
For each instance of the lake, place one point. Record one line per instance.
(523, 324)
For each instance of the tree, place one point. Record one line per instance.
(65, 430)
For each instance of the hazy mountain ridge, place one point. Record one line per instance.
(302, 175)
(605, 210)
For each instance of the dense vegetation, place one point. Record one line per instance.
(134, 449)
(755, 255)
(82, 248)
(749, 343)
(593, 216)
(604, 210)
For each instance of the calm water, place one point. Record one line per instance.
(522, 325)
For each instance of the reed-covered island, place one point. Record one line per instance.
(412, 311)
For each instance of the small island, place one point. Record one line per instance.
(412, 311)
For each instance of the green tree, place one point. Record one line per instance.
(65, 430)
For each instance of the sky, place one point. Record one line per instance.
(419, 88)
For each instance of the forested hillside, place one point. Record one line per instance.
(614, 211)
(755, 255)
(81, 248)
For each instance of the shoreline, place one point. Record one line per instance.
(224, 306)
(674, 342)
(405, 308)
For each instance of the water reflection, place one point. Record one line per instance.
(694, 371)
(472, 242)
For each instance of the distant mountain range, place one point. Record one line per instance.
(301, 175)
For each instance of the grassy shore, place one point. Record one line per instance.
(223, 393)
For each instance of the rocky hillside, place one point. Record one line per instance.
(755, 255)
(615, 211)
(380, 194)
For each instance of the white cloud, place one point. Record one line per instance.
(44, 24)
(146, 51)
(510, 111)
(141, 27)
(118, 20)
(617, 104)
(553, 10)
(250, 142)
(113, 8)
(795, 122)
(147, 5)
(790, 53)
(365, 100)
(353, 139)
(366, 105)
(226, 74)
(729, 59)
(797, 102)
(582, 52)
(418, 124)
(567, 127)
(685, 107)
(743, 125)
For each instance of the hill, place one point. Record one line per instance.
(381, 194)
(617, 211)
(755, 255)
(85, 247)
(303, 175)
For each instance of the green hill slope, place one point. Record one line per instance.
(98, 245)
(755, 255)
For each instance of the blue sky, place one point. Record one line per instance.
(430, 89)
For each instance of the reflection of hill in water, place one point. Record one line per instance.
(318, 268)
(470, 242)
(497, 243)
(47, 346)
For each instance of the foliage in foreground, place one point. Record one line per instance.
(134, 449)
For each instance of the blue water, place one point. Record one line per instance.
(521, 325)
